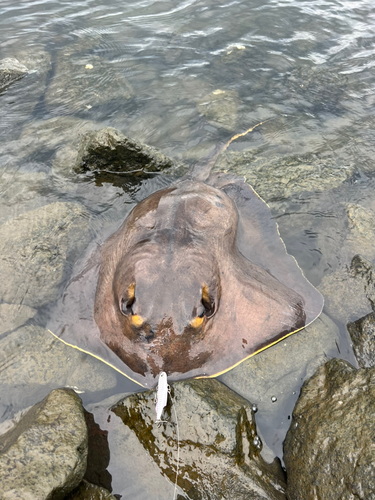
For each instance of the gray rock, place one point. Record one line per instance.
(44, 455)
(81, 82)
(349, 293)
(52, 134)
(278, 372)
(361, 235)
(322, 86)
(22, 192)
(35, 60)
(219, 450)
(20, 100)
(14, 315)
(329, 449)
(34, 249)
(33, 362)
(11, 70)
(362, 333)
(275, 177)
(88, 491)
(109, 149)
(220, 107)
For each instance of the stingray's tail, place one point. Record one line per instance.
(201, 170)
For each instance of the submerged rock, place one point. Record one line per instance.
(13, 316)
(21, 192)
(362, 333)
(109, 149)
(329, 449)
(33, 362)
(44, 455)
(96, 82)
(361, 235)
(323, 87)
(213, 440)
(50, 135)
(349, 293)
(11, 70)
(275, 178)
(220, 107)
(34, 249)
(21, 100)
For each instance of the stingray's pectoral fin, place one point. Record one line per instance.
(257, 311)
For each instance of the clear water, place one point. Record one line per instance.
(305, 66)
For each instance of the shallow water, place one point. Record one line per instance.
(182, 76)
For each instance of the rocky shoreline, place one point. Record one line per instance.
(207, 447)
(224, 440)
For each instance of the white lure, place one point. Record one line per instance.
(161, 396)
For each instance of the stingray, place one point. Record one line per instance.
(193, 282)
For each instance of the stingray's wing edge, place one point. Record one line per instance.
(260, 350)
(96, 357)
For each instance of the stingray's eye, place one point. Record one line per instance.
(127, 302)
(127, 307)
(201, 311)
(207, 303)
(205, 310)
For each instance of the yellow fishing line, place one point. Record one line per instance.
(96, 357)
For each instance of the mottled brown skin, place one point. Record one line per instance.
(174, 293)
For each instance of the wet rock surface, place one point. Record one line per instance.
(361, 237)
(34, 248)
(109, 149)
(43, 136)
(322, 86)
(96, 82)
(13, 316)
(44, 455)
(11, 70)
(289, 362)
(275, 178)
(20, 100)
(33, 362)
(362, 333)
(329, 450)
(220, 107)
(349, 293)
(21, 192)
(215, 443)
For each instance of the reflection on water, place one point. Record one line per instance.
(182, 76)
